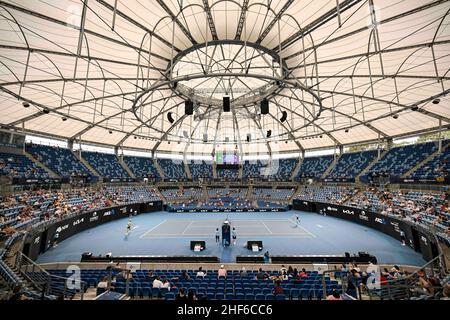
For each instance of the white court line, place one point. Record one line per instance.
(265, 225)
(281, 235)
(311, 234)
(187, 227)
(319, 225)
(143, 235)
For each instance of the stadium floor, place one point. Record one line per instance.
(163, 233)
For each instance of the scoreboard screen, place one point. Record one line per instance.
(227, 158)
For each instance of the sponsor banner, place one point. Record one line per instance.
(303, 205)
(338, 180)
(66, 228)
(439, 180)
(396, 228)
(228, 210)
(26, 181)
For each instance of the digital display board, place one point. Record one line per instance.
(227, 158)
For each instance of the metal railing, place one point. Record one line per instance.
(50, 286)
(408, 287)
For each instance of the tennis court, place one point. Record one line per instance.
(206, 228)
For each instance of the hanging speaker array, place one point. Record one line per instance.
(264, 104)
(188, 107)
(226, 104)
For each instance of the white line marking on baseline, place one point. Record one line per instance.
(187, 227)
(311, 234)
(143, 235)
(265, 225)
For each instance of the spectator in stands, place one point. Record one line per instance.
(243, 272)
(446, 292)
(165, 284)
(185, 276)
(157, 283)
(191, 295)
(278, 289)
(283, 269)
(352, 285)
(290, 271)
(17, 294)
(200, 273)
(181, 295)
(103, 284)
(303, 273)
(222, 272)
(334, 295)
(261, 275)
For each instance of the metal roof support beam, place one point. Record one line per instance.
(390, 19)
(80, 37)
(113, 24)
(212, 26)
(275, 20)
(405, 107)
(175, 19)
(376, 36)
(347, 4)
(242, 20)
(134, 22)
(419, 45)
(63, 23)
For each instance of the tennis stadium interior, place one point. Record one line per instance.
(224, 150)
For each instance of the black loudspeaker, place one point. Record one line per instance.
(205, 137)
(169, 117)
(264, 106)
(250, 244)
(201, 243)
(363, 254)
(188, 107)
(283, 117)
(86, 255)
(249, 137)
(226, 104)
(269, 133)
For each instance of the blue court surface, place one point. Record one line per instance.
(163, 233)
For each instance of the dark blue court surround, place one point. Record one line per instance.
(152, 235)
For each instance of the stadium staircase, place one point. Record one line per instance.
(241, 171)
(187, 170)
(296, 169)
(10, 274)
(51, 173)
(420, 164)
(214, 170)
(86, 163)
(39, 281)
(366, 169)
(160, 195)
(158, 168)
(293, 194)
(405, 288)
(336, 159)
(124, 165)
(205, 193)
(249, 194)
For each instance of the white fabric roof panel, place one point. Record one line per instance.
(363, 75)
